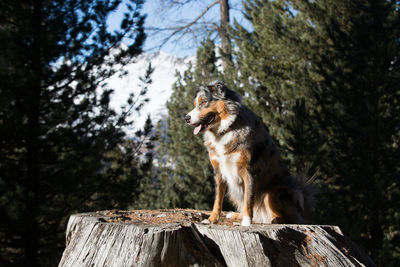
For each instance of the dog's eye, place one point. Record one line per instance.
(203, 103)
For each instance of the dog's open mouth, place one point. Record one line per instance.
(204, 123)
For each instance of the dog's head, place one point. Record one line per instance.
(216, 106)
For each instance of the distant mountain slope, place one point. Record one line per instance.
(159, 91)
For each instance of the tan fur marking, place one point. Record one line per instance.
(220, 189)
(214, 163)
(218, 107)
(231, 146)
(219, 198)
(222, 109)
(243, 161)
(199, 100)
(271, 199)
(205, 111)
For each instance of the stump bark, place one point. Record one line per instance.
(179, 238)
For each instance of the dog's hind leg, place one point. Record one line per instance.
(281, 203)
(272, 209)
(261, 211)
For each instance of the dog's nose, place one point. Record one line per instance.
(187, 118)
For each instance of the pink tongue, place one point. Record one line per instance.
(197, 129)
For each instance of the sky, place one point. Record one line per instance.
(165, 64)
(160, 15)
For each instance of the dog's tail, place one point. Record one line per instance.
(294, 202)
(304, 195)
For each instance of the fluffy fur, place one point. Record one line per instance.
(246, 161)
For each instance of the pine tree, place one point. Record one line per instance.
(147, 190)
(186, 175)
(358, 99)
(274, 81)
(131, 159)
(341, 57)
(58, 135)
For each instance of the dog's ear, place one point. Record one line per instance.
(218, 88)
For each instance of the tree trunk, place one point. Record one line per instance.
(179, 238)
(223, 33)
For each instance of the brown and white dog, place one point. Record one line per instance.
(246, 160)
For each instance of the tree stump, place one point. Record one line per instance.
(179, 238)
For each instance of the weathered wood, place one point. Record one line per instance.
(178, 238)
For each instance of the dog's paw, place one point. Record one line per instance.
(246, 221)
(205, 221)
(214, 217)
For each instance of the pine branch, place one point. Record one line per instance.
(186, 27)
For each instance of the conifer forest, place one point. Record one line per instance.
(324, 76)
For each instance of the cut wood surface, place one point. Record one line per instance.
(179, 238)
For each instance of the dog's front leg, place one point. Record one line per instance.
(247, 200)
(248, 196)
(219, 198)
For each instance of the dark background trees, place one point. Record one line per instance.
(59, 139)
(323, 75)
(186, 175)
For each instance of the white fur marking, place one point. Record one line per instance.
(206, 221)
(261, 212)
(246, 221)
(225, 124)
(227, 165)
(194, 115)
(230, 215)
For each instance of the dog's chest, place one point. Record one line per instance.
(227, 162)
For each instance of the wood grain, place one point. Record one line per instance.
(99, 239)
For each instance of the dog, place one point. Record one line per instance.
(246, 161)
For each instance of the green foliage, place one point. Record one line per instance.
(59, 138)
(324, 76)
(186, 177)
(147, 192)
(274, 80)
